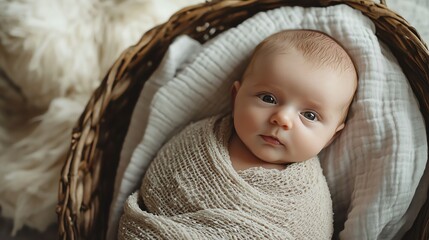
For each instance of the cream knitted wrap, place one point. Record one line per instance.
(191, 191)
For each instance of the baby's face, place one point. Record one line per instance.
(287, 110)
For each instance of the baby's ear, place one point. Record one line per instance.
(234, 89)
(337, 133)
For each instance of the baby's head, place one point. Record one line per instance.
(294, 96)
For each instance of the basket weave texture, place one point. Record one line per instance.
(87, 177)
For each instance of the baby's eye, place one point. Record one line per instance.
(310, 115)
(268, 98)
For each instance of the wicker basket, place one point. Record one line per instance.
(87, 177)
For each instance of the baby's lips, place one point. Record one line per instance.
(271, 140)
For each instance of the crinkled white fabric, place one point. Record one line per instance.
(192, 191)
(373, 168)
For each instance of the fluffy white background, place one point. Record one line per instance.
(53, 53)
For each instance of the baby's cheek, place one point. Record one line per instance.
(318, 145)
(311, 145)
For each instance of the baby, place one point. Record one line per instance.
(292, 100)
(254, 174)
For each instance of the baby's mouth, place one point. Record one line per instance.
(271, 140)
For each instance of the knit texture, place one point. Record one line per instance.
(191, 191)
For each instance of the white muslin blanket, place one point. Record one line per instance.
(192, 191)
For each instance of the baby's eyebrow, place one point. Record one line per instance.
(314, 104)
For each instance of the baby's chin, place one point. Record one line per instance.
(272, 160)
(283, 161)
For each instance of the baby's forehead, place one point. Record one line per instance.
(317, 47)
(268, 62)
(336, 63)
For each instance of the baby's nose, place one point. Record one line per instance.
(282, 119)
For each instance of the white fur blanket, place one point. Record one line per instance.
(192, 191)
(53, 53)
